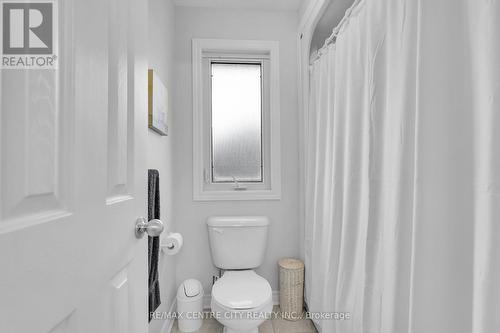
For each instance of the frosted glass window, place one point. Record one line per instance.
(236, 122)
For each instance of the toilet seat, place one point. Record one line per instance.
(241, 290)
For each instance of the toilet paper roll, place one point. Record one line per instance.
(173, 243)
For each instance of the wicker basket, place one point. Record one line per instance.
(291, 288)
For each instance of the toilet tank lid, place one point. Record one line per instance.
(237, 221)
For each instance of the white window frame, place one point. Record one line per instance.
(203, 188)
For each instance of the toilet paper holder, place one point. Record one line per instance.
(169, 246)
(173, 246)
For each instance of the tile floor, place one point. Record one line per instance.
(274, 325)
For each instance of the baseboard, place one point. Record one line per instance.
(169, 322)
(208, 298)
(315, 322)
(276, 297)
(206, 301)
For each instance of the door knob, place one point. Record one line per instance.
(152, 228)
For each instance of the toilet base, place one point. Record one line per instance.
(229, 330)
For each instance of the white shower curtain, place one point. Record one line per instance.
(403, 170)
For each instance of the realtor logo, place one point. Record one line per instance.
(29, 34)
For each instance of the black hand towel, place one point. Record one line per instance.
(153, 242)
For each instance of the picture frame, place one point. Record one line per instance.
(157, 104)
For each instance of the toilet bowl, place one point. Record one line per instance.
(241, 301)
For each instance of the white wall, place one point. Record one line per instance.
(304, 7)
(160, 53)
(194, 261)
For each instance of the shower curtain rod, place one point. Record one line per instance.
(336, 30)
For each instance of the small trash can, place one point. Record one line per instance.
(291, 288)
(190, 306)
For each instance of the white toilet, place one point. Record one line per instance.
(241, 299)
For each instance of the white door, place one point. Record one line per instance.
(74, 179)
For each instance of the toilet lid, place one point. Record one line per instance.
(241, 290)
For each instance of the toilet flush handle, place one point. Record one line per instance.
(218, 230)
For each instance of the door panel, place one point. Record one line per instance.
(36, 116)
(73, 178)
(119, 149)
(120, 305)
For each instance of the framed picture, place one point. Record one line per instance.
(157, 104)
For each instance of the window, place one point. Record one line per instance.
(236, 120)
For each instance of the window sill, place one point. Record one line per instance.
(236, 195)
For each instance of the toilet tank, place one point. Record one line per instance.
(238, 242)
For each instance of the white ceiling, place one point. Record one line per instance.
(284, 5)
